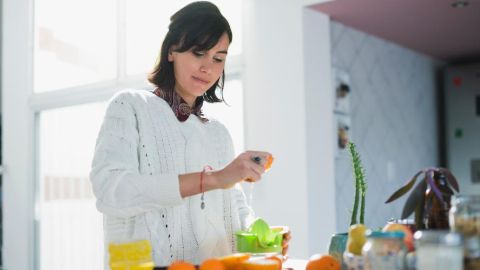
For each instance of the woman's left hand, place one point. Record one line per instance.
(285, 242)
(287, 235)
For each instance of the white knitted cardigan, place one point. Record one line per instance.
(141, 149)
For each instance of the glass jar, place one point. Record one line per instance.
(464, 216)
(384, 251)
(472, 253)
(439, 250)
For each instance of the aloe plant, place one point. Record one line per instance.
(360, 185)
(429, 199)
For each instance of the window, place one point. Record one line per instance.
(75, 43)
(84, 42)
(71, 235)
(231, 116)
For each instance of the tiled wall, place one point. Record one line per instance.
(393, 119)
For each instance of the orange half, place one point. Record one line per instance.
(234, 261)
(261, 264)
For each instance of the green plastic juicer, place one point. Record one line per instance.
(260, 238)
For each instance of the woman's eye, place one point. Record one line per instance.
(197, 53)
(219, 60)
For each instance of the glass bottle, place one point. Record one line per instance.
(439, 250)
(436, 210)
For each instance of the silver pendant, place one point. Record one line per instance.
(202, 205)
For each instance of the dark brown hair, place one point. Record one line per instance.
(196, 26)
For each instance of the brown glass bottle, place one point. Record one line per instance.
(436, 210)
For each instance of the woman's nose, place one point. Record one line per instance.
(206, 66)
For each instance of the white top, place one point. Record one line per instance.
(141, 149)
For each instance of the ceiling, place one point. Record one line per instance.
(432, 27)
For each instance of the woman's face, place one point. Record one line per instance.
(197, 71)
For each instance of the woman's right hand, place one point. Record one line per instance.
(243, 167)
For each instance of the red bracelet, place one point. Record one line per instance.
(202, 198)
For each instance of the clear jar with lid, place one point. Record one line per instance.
(384, 251)
(464, 218)
(472, 252)
(464, 215)
(439, 250)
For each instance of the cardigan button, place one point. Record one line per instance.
(169, 236)
(163, 215)
(166, 225)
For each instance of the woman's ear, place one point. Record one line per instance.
(171, 51)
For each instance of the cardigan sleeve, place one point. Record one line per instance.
(119, 187)
(247, 216)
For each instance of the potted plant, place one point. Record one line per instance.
(360, 185)
(429, 199)
(338, 242)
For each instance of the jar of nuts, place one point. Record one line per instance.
(464, 218)
(464, 215)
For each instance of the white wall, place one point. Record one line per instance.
(393, 120)
(461, 115)
(286, 78)
(320, 130)
(17, 136)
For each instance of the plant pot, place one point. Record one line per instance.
(337, 246)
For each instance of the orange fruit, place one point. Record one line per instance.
(269, 162)
(277, 259)
(407, 239)
(322, 262)
(261, 264)
(212, 264)
(234, 261)
(181, 265)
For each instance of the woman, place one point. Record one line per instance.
(161, 170)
